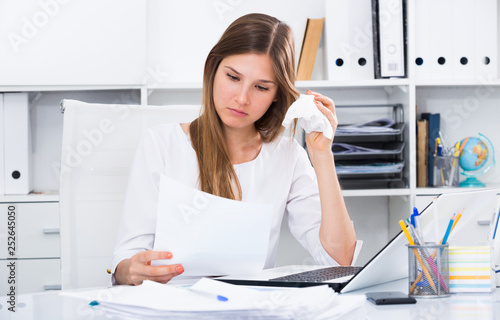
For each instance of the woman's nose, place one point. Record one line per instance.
(243, 96)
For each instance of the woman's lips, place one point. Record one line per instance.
(237, 113)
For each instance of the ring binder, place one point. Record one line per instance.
(18, 157)
(389, 38)
(349, 39)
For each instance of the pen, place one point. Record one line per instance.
(496, 225)
(417, 255)
(463, 145)
(416, 218)
(433, 256)
(448, 230)
(443, 144)
(439, 147)
(454, 164)
(459, 215)
(428, 260)
(209, 294)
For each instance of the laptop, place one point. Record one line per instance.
(391, 262)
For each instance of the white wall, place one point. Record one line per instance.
(183, 32)
(56, 42)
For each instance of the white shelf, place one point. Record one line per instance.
(457, 83)
(52, 197)
(352, 83)
(436, 191)
(375, 192)
(178, 86)
(69, 88)
(300, 84)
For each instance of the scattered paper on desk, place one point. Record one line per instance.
(470, 269)
(309, 117)
(210, 235)
(157, 300)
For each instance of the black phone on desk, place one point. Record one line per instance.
(390, 297)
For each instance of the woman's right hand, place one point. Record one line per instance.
(138, 268)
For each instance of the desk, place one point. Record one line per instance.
(52, 305)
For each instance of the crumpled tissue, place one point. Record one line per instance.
(309, 117)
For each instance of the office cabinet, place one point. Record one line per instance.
(37, 229)
(30, 245)
(33, 275)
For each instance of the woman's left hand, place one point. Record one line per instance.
(316, 141)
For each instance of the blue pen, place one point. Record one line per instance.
(209, 294)
(415, 217)
(496, 225)
(448, 230)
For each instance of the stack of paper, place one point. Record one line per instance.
(378, 126)
(470, 269)
(203, 301)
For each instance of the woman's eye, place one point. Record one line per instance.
(233, 78)
(261, 88)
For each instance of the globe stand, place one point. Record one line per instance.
(471, 182)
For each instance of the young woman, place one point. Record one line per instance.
(235, 150)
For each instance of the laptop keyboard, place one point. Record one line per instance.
(320, 275)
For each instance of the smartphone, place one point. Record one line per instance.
(390, 297)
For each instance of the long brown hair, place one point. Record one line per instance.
(252, 33)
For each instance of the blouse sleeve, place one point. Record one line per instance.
(138, 222)
(304, 211)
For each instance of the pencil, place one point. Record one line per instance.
(459, 215)
(433, 256)
(417, 255)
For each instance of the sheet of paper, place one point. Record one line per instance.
(210, 235)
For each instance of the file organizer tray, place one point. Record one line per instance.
(381, 165)
(372, 183)
(395, 128)
(368, 150)
(358, 177)
(361, 169)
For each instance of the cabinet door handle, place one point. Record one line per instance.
(483, 222)
(50, 230)
(52, 287)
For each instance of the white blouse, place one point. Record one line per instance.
(281, 175)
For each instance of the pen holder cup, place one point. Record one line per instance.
(446, 169)
(428, 271)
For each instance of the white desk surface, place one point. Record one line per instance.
(51, 305)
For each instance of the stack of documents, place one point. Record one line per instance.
(212, 299)
(470, 269)
(364, 168)
(386, 126)
(370, 154)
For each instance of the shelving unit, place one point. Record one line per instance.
(386, 206)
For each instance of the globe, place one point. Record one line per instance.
(477, 157)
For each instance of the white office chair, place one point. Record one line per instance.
(99, 142)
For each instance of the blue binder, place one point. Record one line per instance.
(433, 119)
